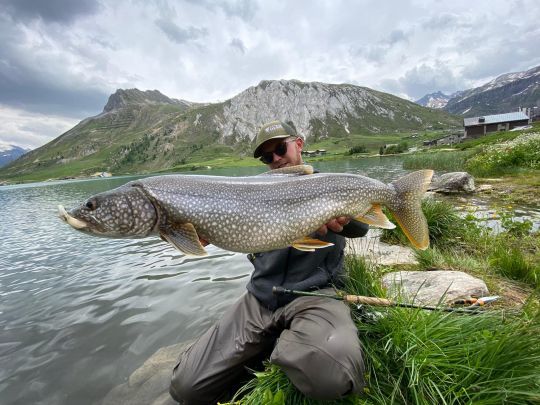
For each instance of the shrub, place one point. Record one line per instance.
(357, 149)
(522, 152)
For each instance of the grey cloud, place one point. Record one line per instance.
(397, 36)
(238, 44)
(244, 9)
(178, 34)
(443, 21)
(56, 11)
(377, 52)
(27, 84)
(494, 57)
(424, 79)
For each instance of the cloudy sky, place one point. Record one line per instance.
(61, 59)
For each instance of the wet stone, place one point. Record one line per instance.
(149, 384)
(433, 287)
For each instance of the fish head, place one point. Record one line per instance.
(125, 212)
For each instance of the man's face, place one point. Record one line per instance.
(292, 156)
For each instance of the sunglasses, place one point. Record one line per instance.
(280, 150)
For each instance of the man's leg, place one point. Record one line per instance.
(215, 361)
(320, 351)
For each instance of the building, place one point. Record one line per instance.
(478, 126)
(532, 112)
(313, 153)
(450, 139)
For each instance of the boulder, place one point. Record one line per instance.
(375, 251)
(455, 182)
(433, 287)
(149, 384)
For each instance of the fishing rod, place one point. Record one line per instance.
(358, 300)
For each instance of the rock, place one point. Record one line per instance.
(149, 384)
(486, 188)
(429, 287)
(371, 248)
(453, 183)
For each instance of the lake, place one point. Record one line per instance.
(79, 314)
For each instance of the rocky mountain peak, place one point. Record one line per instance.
(304, 103)
(122, 98)
(434, 100)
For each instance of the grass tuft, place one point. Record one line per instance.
(445, 225)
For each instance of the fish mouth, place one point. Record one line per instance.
(74, 222)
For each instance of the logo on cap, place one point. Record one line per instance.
(272, 128)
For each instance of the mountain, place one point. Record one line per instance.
(434, 100)
(504, 94)
(125, 98)
(9, 153)
(147, 131)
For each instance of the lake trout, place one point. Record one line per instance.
(251, 214)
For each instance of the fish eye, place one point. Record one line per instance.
(91, 205)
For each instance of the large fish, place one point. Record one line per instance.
(251, 214)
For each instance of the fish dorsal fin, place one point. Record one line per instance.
(307, 244)
(184, 237)
(376, 217)
(298, 170)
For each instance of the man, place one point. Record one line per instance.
(313, 339)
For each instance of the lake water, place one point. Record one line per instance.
(79, 314)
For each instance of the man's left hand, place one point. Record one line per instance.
(335, 225)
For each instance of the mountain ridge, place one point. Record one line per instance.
(503, 94)
(148, 131)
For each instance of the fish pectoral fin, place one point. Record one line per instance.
(298, 170)
(376, 217)
(308, 244)
(184, 237)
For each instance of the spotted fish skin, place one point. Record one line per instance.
(258, 213)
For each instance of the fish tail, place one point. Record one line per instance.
(407, 209)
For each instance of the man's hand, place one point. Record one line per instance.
(335, 225)
(203, 242)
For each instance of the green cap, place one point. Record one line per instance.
(272, 130)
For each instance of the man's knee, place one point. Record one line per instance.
(328, 371)
(186, 389)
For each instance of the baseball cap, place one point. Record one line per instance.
(272, 130)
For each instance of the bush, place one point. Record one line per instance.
(522, 152)
(357, 149)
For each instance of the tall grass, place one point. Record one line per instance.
(445, 225)
(419, 357)
(443, 161)
(510, 262)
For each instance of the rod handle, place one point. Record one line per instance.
(359, 299)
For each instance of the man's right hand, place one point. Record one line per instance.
(334, 225)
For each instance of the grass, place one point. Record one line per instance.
(444, 223)
(422, 357)
(440, 160)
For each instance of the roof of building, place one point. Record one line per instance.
(495, 119)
